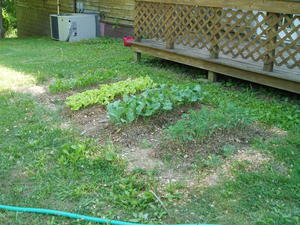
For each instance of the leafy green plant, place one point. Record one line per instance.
(88, 79)
(72, 153)
(152, 101)
(9, 16)
(197, 125)
(130, 192)
(107, 92)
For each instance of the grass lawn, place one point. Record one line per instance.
(48, 159)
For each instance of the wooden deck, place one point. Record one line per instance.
(281, 77)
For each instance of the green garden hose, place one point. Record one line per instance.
(71, 215)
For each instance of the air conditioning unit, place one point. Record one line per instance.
(73, 27)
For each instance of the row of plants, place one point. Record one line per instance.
(108, 92)
(87, 79)
(152, 101)
(197, 125)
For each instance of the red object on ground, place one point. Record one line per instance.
(128, 41)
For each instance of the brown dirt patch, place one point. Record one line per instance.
(94, 122)
(253, 158)
(139, 158)
(42, 93)
(189, 152)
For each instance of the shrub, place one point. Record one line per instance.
(108, 92)
(152, 101)
(9, 16)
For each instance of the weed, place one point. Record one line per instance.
(197, 125)
(88, 79)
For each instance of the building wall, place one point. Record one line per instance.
(33, 15)
(113, 11)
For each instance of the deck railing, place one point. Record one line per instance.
(266, 31)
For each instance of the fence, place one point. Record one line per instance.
(265, 31)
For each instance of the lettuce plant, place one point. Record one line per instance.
(108, 92)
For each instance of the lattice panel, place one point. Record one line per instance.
(259, 36)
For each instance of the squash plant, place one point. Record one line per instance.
(152, 101)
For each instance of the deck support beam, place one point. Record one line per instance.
(272, 37)
(170, 44)
(212, 76)
(138, 57)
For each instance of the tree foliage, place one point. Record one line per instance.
(8, 14)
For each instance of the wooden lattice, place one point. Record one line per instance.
(272, 38)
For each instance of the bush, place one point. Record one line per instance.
(152, 101)
(9, 16)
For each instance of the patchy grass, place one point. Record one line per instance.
(203, 138)
(197, 125)
(266, 195)
(46, 164)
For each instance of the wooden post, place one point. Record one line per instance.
(271, 39)
(214, 50)
(138, 39)
(170, 44)
(138, 56)
(214, 53)
(169, 31)
(58, 7)
(75, 6)
(212, 76)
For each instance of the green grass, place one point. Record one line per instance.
(44, 165)
(268, 195)
(47, 167)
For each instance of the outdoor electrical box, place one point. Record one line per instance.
(73, 27)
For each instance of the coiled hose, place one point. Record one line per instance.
(71, 215)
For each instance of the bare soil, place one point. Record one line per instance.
(253, 158)
(95, 123)
(190, 151)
